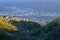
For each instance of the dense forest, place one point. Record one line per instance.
(29, 30)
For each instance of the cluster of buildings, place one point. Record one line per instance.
(16, 18)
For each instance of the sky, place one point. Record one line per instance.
(24, 0)
(16, 1)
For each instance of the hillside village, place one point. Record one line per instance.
(23, 19)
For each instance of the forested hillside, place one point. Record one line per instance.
(28, 30)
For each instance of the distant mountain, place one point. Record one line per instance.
(31, 9)
(39, 6)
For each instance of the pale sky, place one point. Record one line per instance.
(24, 0)
(1, 1)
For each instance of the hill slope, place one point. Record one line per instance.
(51, 31)
(29, 30)
(6, 29)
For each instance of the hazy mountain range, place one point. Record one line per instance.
(31, 9)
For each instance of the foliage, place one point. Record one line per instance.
(51, 31)
(4, 24)
(29, 30)
(29, 27)
(6, 29)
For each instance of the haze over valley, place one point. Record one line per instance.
(31, 9)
